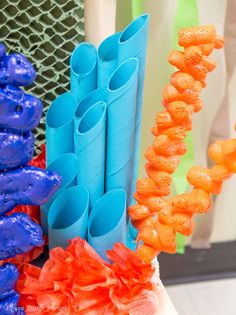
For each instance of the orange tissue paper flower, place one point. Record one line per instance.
(78, 281)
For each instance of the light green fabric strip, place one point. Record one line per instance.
(123, 14)
(137, 8)
(186, 16)
(126, 11)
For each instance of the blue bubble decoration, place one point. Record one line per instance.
(20, 183)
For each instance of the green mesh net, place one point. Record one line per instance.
(46, 31)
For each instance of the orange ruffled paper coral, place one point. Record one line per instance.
(34, 213)
(78, 281)
(156, 218)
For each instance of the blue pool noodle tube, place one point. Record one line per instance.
(114, 50)
(108, 59)
(67, 167)
(107, 222)
(68, 216)
(133, 43)
(83, 70)
(90, 145)
(88, 101)
(121, 111)
(60, 127)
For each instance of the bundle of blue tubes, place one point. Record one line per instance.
(93, 141)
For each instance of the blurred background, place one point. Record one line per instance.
(46, 31)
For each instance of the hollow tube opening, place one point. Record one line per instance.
(91, 117)
(107, 51)
(103, 222)
(122, 74)
(133, 28)
(83, 59)
(92, 98)
(66, 166)
(61, 111)
(68, 207)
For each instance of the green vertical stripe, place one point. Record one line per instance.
(123, 14)
(137, 8)
(186, 16)
(126, 11)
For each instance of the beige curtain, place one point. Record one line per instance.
(219, 224)
(158, 71)
(100, 20)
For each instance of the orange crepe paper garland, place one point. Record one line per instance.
(156, 218)
(78, 281)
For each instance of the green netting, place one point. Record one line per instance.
(46, 31)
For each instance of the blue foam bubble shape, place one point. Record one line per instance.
(28, 186)
(15, 69)
(20, 184)
(16, 148)
(19, 111)
(8, 296)
(18, 235)
(8, 277)
(9, 305)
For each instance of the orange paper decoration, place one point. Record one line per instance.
(156, 218)
(78, 281)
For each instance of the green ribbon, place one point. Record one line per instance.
(123, 14)
(186, 16)
(137, 8)
(126, 11)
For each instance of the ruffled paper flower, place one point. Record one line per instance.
(78, 281)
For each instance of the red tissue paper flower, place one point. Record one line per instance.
(40, 159)
(78, 281)
(34, 213)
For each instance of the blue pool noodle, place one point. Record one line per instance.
(90, 145)
(60, 127)
(108, 59)
(67, 167)
(89, 100)
(83, 70)
(133, 43)
(68, 216)
(121, 111)
(107, 222)
(114, 50)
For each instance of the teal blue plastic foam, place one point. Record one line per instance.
(68, 216)
(90, 145)
(60, 127)
(107, 222)
(89, 100)
(133, 43)
(83, 70)
(114, 50)
(121, 111)
(67, 167)
(108, 59)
